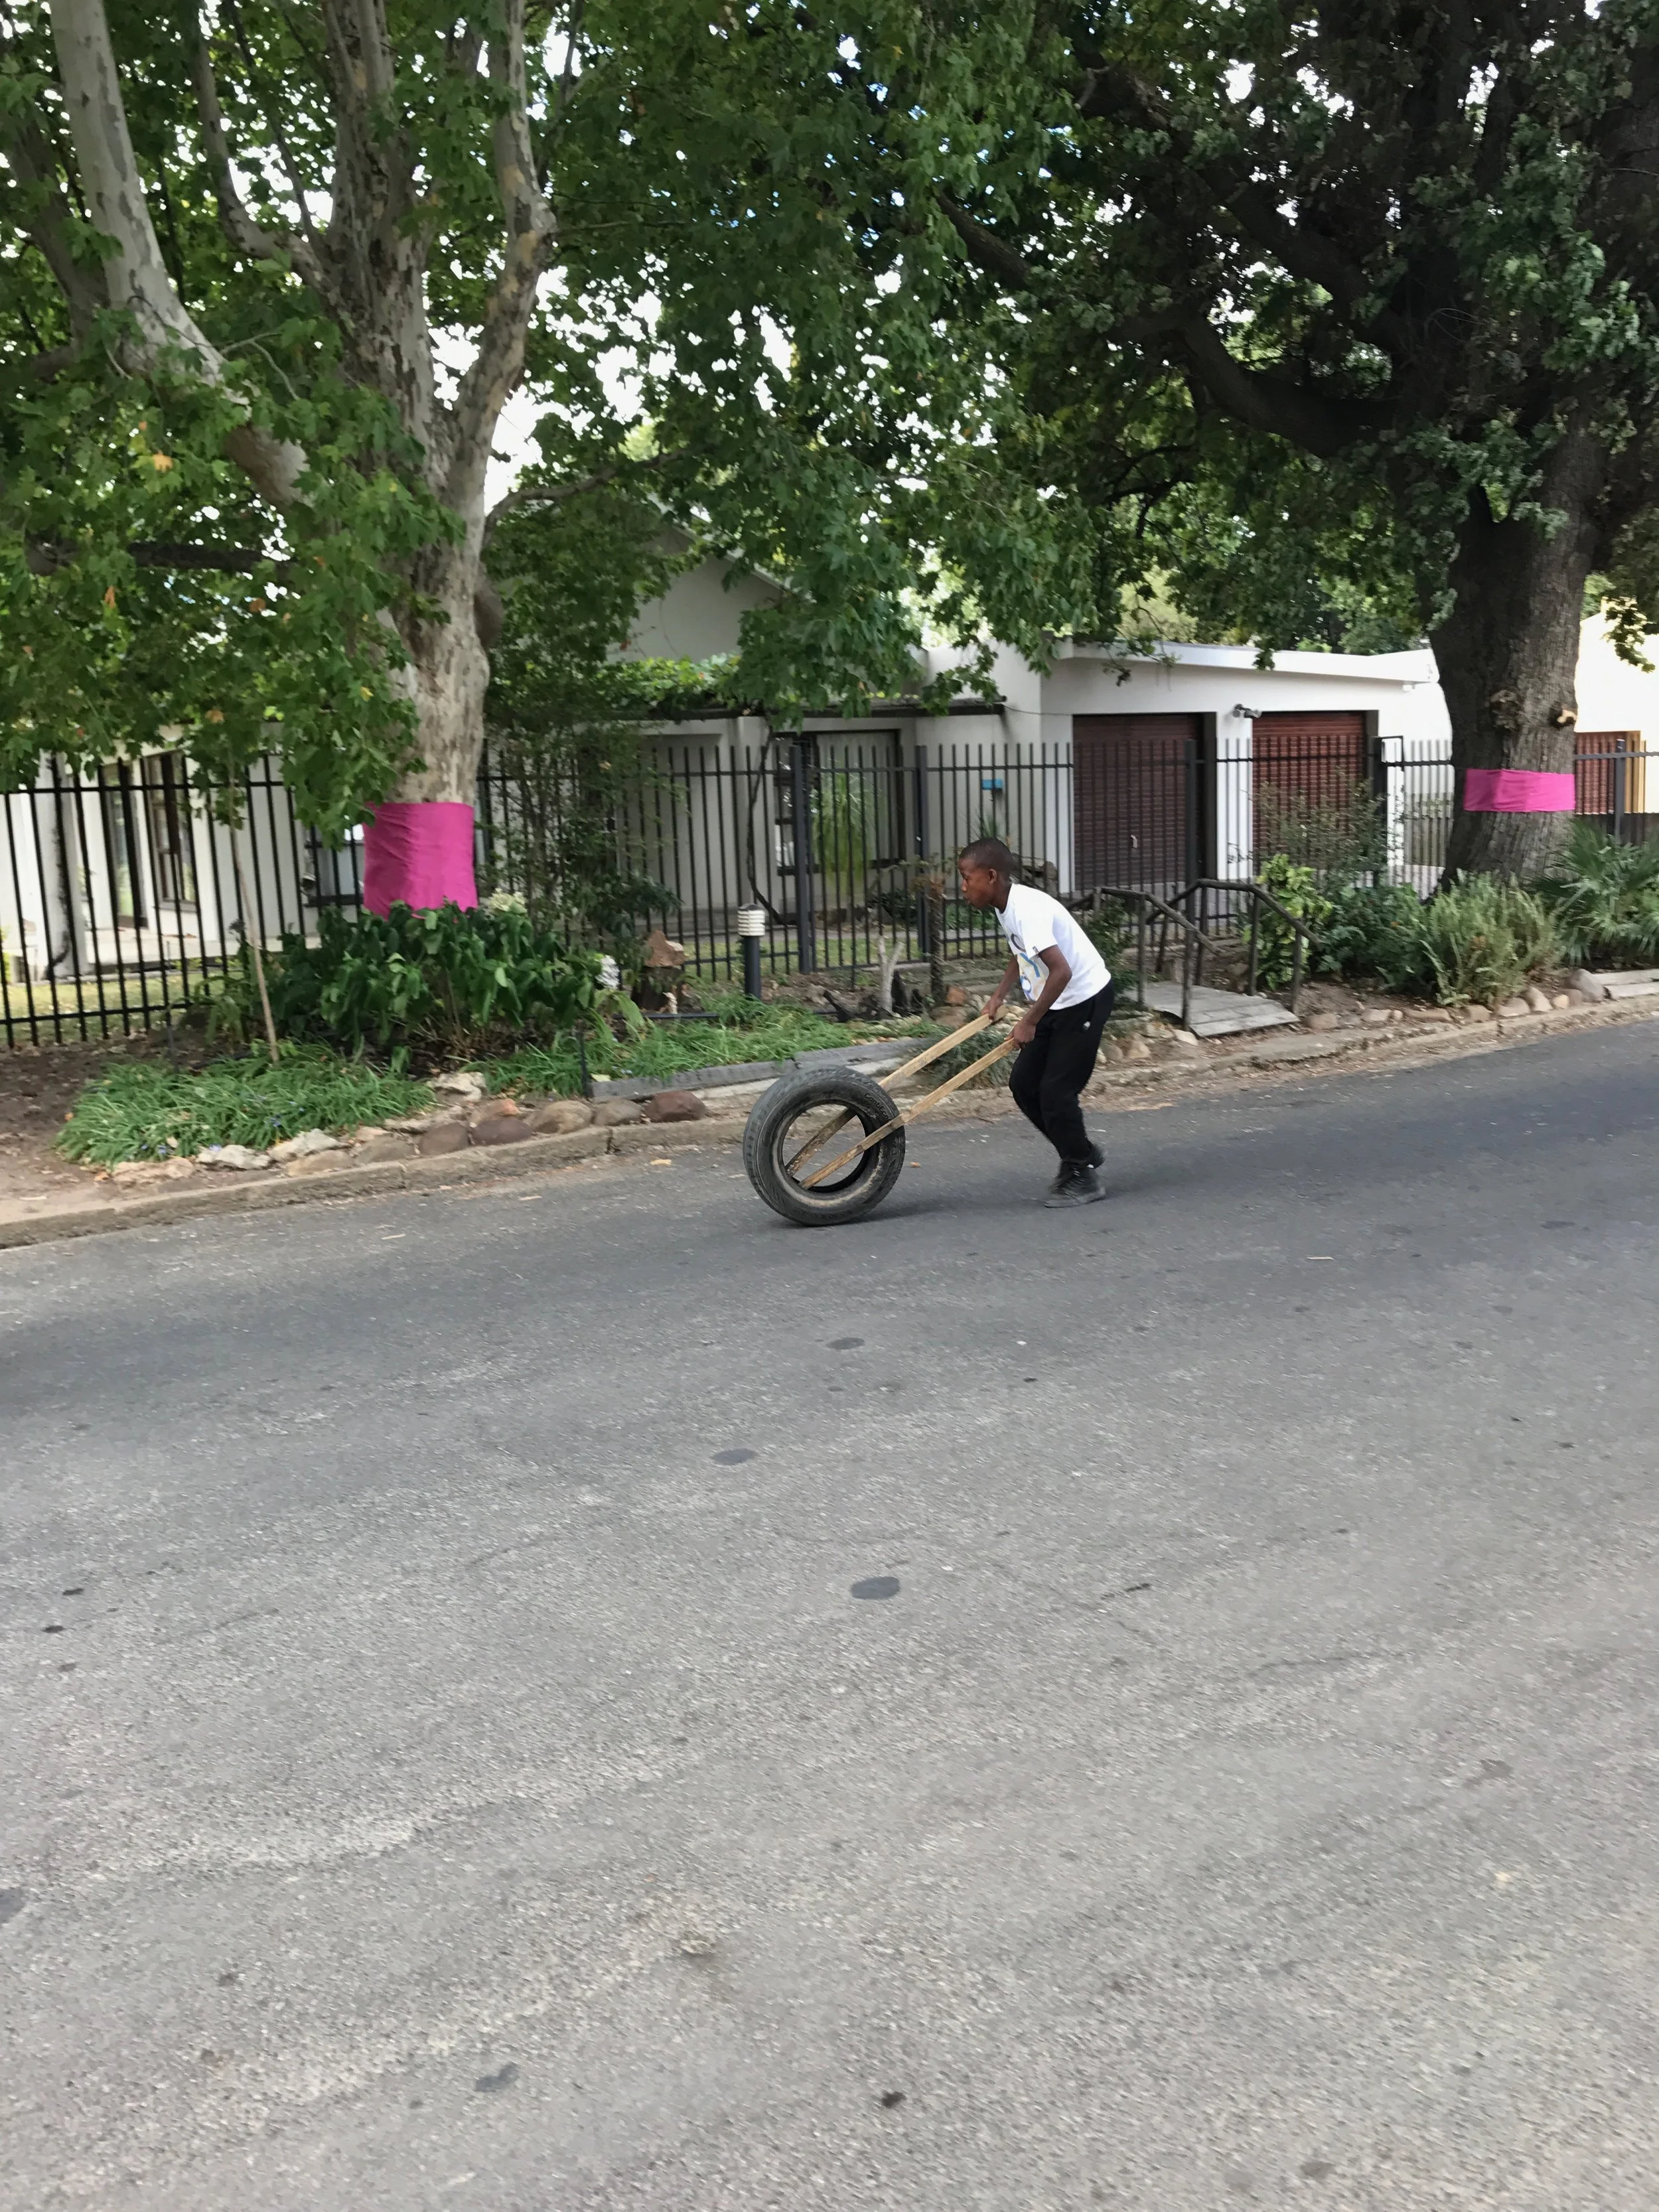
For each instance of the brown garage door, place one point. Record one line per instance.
(1133, 782)
(1304, 770)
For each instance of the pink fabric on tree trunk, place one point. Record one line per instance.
(418, 853)
(1518, 791)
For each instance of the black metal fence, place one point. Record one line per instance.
(125, 896)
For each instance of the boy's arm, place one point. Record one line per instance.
(1059, 976)
(1010, 976)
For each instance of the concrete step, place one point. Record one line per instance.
(1218, 1013)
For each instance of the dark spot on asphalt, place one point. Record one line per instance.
(1492, 1770)
(1560, 1224)
(1462, 1344)
(845, 1343)
(890, 2097)
(1561, 1446)
(80, 1591)
(415, 2103)
(67, 1666)
(1316, 2169)
(12, 1902)
(502, 2079)
(53, 1628)
(80, 1424)
(877, 1586)
(732, 1458)
(1503, 1308)
(230, 1978)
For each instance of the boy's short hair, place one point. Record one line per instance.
(989, 853)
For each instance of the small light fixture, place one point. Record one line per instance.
(1248, 714)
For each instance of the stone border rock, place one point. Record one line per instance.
(1402, 1045)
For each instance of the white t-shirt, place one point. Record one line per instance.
(1031, 921)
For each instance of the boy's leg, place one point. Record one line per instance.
(1025, 1078)
(1073, 1048)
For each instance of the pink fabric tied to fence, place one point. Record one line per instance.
(1518, 791)
(418, 853)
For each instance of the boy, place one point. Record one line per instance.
(1068, 992)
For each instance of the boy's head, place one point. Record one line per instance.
(986, 869)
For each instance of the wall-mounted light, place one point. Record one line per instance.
(1248, 714)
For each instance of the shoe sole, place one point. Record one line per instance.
(1084, 1198)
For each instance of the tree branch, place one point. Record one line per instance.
(987, 250)
(499, 363)
(1307, 418)
(136, 274)
(540, 494)
(1112, 92)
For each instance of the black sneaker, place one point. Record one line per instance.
(1097, 1159)
(1078, 1186)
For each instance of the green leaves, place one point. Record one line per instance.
(429, 987)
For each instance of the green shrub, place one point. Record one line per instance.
(142, 1111)
(430, 986)
(1603, 898)
(1295, 886)
(1483, 938)
(1341, 839)
(1374, 933)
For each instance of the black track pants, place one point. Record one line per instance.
(1049, 1074)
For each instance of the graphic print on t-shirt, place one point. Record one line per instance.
(1031, 921)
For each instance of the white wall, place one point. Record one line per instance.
(698, 616)
(1611, 695)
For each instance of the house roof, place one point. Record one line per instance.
(1414, 667)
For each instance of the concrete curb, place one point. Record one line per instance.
(1405, 1046)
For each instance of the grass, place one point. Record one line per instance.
(746, 1030)
(144, 1112)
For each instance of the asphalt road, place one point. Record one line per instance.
(446, 1760)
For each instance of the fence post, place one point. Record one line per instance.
(924, 919)
(800, 788)
(1619, 792)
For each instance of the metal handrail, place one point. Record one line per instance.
(1196, 940)
(1145, 902)
(1300, 936)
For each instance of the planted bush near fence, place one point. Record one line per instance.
(426, 987)
(1484, 938)
(1603, 898)
(1373, 933)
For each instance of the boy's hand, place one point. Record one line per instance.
(1025, 1029)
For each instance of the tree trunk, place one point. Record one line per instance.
(418, 846)
(1507, 657)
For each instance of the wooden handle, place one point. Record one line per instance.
(911, 1067)
(902, 1120)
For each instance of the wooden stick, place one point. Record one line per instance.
(910, 1068)
(902, 1120)
(253, 944)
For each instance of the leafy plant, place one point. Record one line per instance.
(434, 985)
(1374, 932)
(142, 1111)
(1603, 898)
(1109, 926)
(1295, 887)
(1482, 938)
(843, 833)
